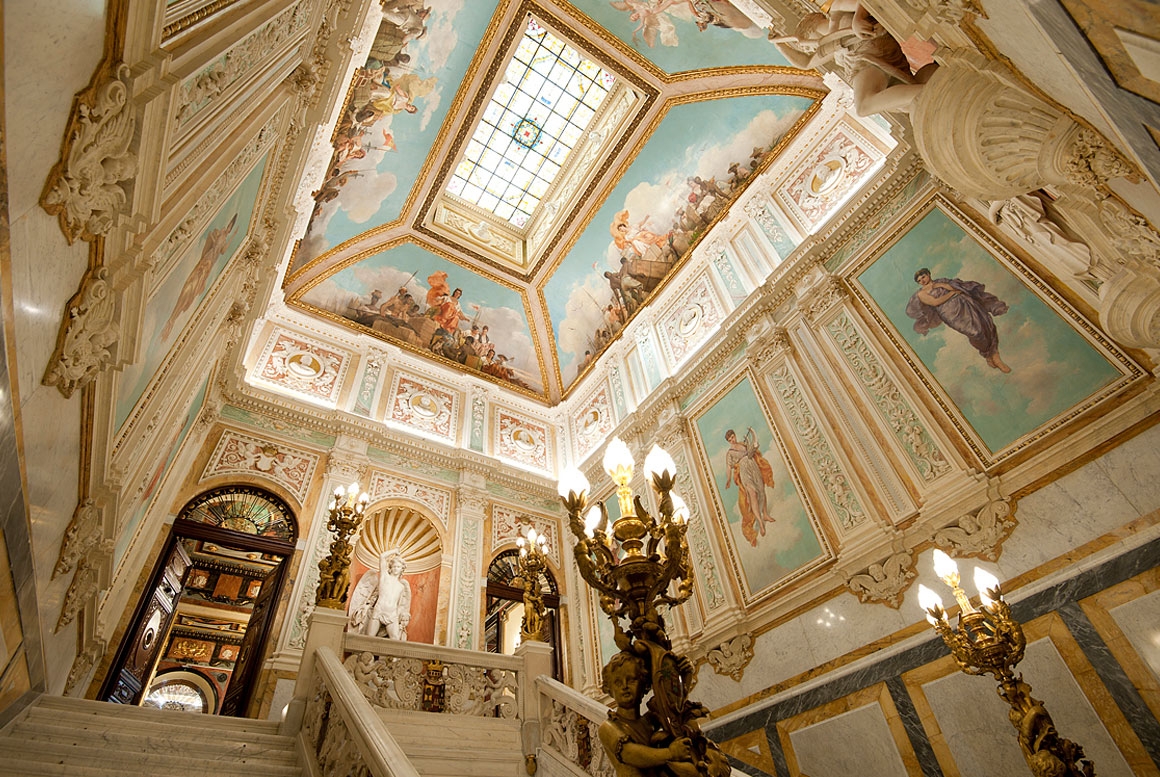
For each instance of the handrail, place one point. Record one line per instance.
(570, 730)
(359, 643)
(571, 698)
(373, 746)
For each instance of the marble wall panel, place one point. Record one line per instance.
(1140, 622)
(968, 725)
(854, 736)
(1126, 616)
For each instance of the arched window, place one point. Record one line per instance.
(244, 509)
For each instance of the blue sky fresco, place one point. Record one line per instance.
(688, 142)
(484, 302)
(384, 150)
(182, 292)
(672, 40)
(1052, 366)
(789, 541)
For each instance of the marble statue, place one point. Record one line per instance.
(381, 602)
(870, 59)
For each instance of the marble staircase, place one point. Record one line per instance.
(457, 746)
(82, 738)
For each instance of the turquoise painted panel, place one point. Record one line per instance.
(765, 519)
(398, 99)
(1007, 360)
(181, 293)
(686, 175)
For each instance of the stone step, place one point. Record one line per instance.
(139, 761)
(112, 767)
(468, 765)
(58, 705)
(193, 744)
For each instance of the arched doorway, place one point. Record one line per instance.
(209, 604)
(505, 608)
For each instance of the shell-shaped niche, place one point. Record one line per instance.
(402, 528)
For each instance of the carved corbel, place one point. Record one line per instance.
(769, 347)
(980, 533)
(86, 582)
(83, 532)
(87, 333)
(884, 582)
(91, 185)
(83, 664)
(732, 656)
(821, 298)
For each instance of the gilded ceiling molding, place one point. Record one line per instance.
(732, 656)
(91, 187)
(88, 335)
(884, 582)
(980, 533)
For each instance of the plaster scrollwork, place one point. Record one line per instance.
(467, 583)
(950, 12)
(909, 430)
(90, 187)
(87, 335)
(981, 533)
(1092, 161)
(345, 470)
(770, 347)
(698, 536)
(823, 297)
(83, 664)
(837, 485)
(395, 682)
(82, 533)
(85, 583)
(732, 656)
(884, 582)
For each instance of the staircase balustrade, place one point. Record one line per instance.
(342, 735)
(569, 722)
(413, 676)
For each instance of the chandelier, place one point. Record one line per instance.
(638, 563)
(989, 640)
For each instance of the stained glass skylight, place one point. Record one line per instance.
(549, 95)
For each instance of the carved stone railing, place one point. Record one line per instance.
(413, 676)
(569, 722)
(341, 735)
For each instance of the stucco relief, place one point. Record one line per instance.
(506, 526)
(424, 405)
(690, 321)
(438, 500)
(303, 366)
(241, 454)
(827, 176)
(521, 439)
(593, 423)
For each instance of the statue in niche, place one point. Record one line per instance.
(381, 603)
(1030, 216)
(868, 56)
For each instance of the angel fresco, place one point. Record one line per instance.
(752, 474)
(653, 19)
(964, 306)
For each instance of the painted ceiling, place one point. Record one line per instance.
(669, 108)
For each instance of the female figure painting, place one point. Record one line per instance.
(751, 473)
(964, 306)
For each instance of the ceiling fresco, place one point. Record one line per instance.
(395, 249)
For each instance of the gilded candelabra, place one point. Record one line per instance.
(989, 641)
(346, 510)
(531, 564)
(638, 563)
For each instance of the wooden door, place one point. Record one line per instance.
(249, 661)
(136, 657)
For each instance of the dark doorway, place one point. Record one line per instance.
(199, 632)
(505, 608)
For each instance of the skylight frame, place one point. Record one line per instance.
(514, 199)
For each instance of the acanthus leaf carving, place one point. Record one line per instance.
(1092, 161)
(732, 656)
(980, 534)
(82, 533)
(87, 332)
(91, 184)
(884, 582)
